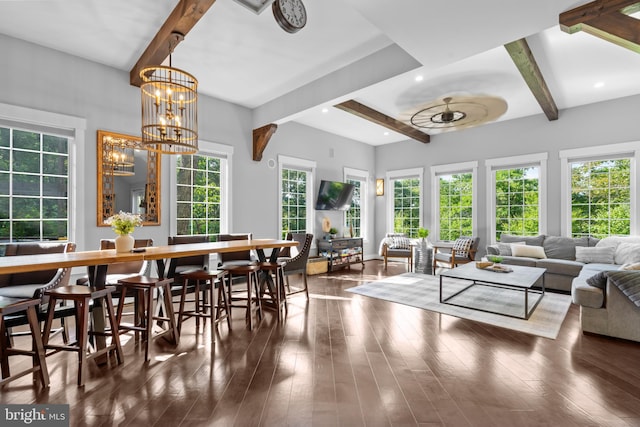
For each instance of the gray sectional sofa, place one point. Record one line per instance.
(604, 308)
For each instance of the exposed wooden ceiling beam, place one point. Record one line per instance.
(261, 137)
(525, 61)
(182, 19)
(607, 19)
(367, 113)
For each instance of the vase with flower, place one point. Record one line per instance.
(124, 223)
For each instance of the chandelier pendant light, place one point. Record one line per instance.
(169, 109)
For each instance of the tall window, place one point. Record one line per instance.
(600, 191)
(355, 217)
(34, 186)
(201, 191)
(454, 198)
(404, 208)
(517, 189)
(296, 194)
(456, 206)
(600, 197)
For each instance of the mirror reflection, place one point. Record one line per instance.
(128, 178)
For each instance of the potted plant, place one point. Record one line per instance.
(423, 233)
(123, 224)
(333, 232)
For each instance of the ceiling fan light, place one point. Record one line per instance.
(447, 116)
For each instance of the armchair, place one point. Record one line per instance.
(397, 245)
(452, 254)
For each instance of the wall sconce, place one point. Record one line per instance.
(380, 187)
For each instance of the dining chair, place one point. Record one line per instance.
(296, 263)
(235, 258)
(120, 270)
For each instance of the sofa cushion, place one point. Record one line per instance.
(529, 240)
(561, 266)
(505, 248)
(563, 247)
(601, 255)
(627, 253)
(584, 294)
(528, 251)
(524, 261)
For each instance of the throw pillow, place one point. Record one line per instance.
(398, 242)
(627, 253)
(598, 280)
(602, 255)
(505, 248)
(528, 251)
(462, 247)
(634, 266)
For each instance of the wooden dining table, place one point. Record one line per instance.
(97, 261)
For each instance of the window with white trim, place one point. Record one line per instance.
(517, 195)
(600, 190)
(404, 206)
(355, 216)
(200, 184)
(296, 195)
(34, 186)
(454, 200)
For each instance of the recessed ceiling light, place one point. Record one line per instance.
(325, 110)
(386, 134)
(419, 78)
(598, 85)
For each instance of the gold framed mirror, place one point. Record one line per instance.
(128, 178)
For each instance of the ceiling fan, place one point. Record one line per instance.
(457, 112)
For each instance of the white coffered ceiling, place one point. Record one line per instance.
(367, 50)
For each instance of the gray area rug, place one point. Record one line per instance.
(422, 291)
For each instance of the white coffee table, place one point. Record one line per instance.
(520, 278)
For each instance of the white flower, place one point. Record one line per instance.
(124, 222)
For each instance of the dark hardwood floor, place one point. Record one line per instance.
(343, 359)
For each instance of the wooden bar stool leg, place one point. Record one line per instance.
(256, 284)
(148, 322)
(168, 303)
(115, 336)
(197, 304)
(183, 298)
(47, 324)
(225, 301)
(82, 316)
(38, 347)
(249, 297)
(4, 356)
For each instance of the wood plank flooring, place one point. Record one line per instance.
(344, 359)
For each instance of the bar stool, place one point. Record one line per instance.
(277, 291)
(204, 284)
(250, 272)
(143, 287)
(14, 305)
(82, 297)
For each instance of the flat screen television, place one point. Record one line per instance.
(334, 195)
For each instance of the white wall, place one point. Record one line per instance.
(596, 124)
